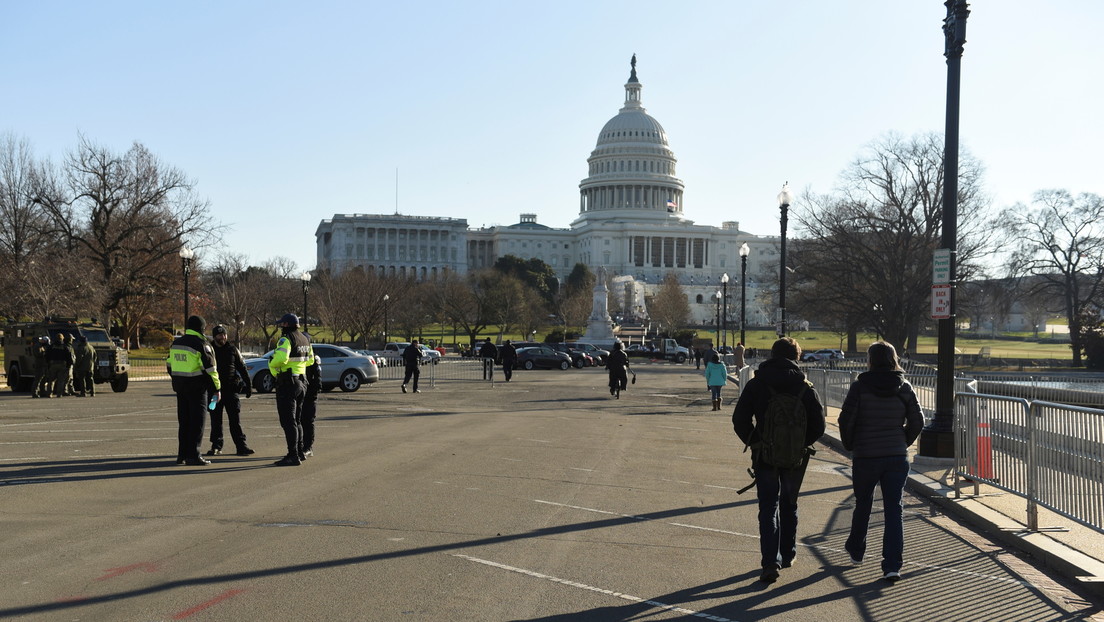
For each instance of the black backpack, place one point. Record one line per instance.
(782, 430)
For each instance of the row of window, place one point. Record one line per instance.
(641, 166)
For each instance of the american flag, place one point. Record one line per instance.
(671, 203)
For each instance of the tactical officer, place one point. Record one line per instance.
(310, 404)
(41, 386)
(60, 360)
(234, 378)
(288, 366)
(191, 364)
(83, 381)
(72, 369)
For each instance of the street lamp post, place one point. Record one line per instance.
(937, 439)
(305, 279)
(718, 297)
(724, 315)
(744, 252)
(784, 199)
(385, 310)
(186, 255)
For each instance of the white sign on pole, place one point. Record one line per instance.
(941, 267)
(941, 302)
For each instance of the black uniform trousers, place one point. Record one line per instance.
(231, 404)
(289, 404)
(191, 410)
(412, 371)
(310, 411)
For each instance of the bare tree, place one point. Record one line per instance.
(1060, 240)
(669, 306)
(877, 233)
(124, 212)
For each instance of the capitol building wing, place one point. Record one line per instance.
(631, 223)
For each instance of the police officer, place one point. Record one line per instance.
(60, 360)
(234, 377)
(41, 387)
(412, 359)
(191, 364)
(288, 367)
(83, 380)
(310, 404)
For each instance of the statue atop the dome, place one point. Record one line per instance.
(632, 77)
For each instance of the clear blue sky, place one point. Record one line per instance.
(286, 113)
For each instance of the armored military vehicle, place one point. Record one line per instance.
(112, 362)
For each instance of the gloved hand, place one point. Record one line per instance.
(248, 391)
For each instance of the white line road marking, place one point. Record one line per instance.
(583, 586)
(808, 546)
(581, 469)
(533, 440)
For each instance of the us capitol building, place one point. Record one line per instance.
(630, 224)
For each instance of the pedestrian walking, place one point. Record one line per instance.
(617, 364)
(879, 419)
(288, 366)
(779, 416)
(41, 387)
(738, 356)
(59, 361)
(508, 355)
(698, 357)
(84, 383)
(310, 404)
(412, 361)
(191, 365)
(235, 379)
(716, 375)
(489, 353)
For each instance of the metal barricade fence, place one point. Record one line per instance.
(1050, 454)
(444, 370)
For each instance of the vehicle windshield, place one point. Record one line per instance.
(95, 334)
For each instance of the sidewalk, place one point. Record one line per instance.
(1073, 550)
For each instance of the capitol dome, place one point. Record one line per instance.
(632, 166)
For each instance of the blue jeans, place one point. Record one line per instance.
(890, 473)
(777, 491)
(715, 390)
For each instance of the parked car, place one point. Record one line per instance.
(429, 355)
(341, 368)
(599, 355)
(823, 355)
(637, 349)
(541, 356)
(579, 358)
(381, 361)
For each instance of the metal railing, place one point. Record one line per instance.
(1050, 454)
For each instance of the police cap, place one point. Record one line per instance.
(289, 319)
(219, 329)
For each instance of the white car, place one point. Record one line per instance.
(823, 355)
(341, 368)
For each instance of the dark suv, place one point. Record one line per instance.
(579, 358)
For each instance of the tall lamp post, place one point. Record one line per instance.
(718, 297)
(186, 255)
(744, 252)
(385, 310)
(724, 315)
(784, 199)
(305, 279)
(937, 440)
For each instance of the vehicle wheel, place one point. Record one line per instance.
(565, 365)
(120, 382)
(16, 382)
(350, 381)
(579, 364)
(680, 358)
(528, 365)
(263, 382)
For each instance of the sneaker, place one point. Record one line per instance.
(855, 560)
(215, 451)
(288, 461)
(892, 577)
(417, 390)
(308, 452)
(788, 563)
(245, 451)
(404, 388)
(197, 462)
(770, 575)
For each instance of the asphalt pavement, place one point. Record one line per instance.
(539, 499)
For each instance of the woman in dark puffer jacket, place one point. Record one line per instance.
(880, 418)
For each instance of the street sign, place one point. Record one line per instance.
(941, 302)
(941, 267)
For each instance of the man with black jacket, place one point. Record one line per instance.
(489, 353)
(235, 378)
(777, 488)
(412, 360)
